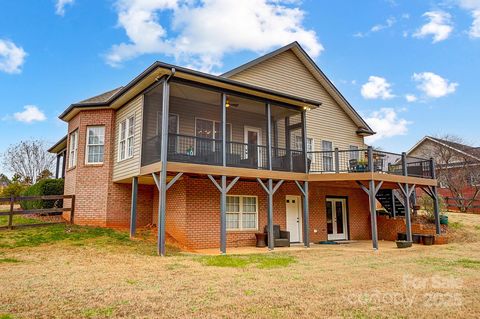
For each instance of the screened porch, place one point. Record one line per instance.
(195, 129)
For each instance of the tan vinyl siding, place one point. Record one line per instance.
(131, 166)
(287, 74)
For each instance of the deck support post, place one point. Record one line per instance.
(306, 213)
(432, 192)
(436, 210)
(408, 218)
(162, 182)
(270, 190)
(133, 209)
(436, 206)
(373, 214)
(224, 189)
(407, 193)
(372, 191)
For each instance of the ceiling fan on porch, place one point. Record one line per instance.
(228, 104)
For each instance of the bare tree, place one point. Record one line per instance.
(458, 169)
(29, 160)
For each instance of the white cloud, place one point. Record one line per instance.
(387, 124)
(434, 85)
(377, 88)
(474, 7)
(411, 98)
(475, 28)
(60, 6)
(388, 24)
(12, 57)
(30, 114)
(439, 26)
(200, 33)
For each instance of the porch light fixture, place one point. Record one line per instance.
(227, 103)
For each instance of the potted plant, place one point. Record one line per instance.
(362, 165)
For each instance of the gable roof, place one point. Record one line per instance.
(118, 97)
(473, 152)
(295, 47)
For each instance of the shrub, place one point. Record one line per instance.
(43, 188)
(13, 189)
(426, 203)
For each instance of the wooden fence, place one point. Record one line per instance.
(452, 204)
(12, 212)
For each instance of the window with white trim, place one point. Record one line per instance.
(73, 150)
(95, 144)
(126, 138)
(310, 146)
(327, 148)
(242, 212)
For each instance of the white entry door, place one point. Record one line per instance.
(336, 218)
(294, 218)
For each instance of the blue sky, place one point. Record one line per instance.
(56, 52)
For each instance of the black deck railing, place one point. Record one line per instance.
(357, 161)
(200, 150)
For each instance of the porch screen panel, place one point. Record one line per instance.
(247, 141)
(197, 138)
(152, 121)
(287, 139)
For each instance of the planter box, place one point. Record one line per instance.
(403, 244)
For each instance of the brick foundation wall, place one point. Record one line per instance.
(193, 212)
(388, 228)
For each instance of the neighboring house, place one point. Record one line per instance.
(453, 159)
(270, 142)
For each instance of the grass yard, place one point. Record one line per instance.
(83, 272)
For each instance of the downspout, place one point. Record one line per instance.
(171, 75)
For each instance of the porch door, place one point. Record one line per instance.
(294, 218)
(253, 138)
(336, 218)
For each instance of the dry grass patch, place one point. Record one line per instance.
(97, 274)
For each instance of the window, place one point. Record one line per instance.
(95, 144)
(242, 213)
(72, 152)
(206, 130)
(126, 141)
(474, 179)
(310, 146)
(353, 152)
(172, 123)
(327, 148)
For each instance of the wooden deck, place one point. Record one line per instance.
(390, 180)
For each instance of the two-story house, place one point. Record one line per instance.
(211, 160)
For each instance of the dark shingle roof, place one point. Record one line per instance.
(474, 151)
(101, 98)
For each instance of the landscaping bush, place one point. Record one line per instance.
(43, 188)
(426, 203)
(13, 189)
